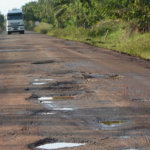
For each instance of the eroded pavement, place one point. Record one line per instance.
(65, 93)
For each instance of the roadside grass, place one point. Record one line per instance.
(122, 36)
(0, 30)
(43, 28)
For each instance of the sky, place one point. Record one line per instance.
(5, 5)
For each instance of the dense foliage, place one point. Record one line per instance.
(86, 13)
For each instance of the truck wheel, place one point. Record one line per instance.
(8, 32)
(22, 32)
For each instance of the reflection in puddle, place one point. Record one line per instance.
(45, 98)
(56, 98)
(46, 102)
(63, 109)
(39, 83)
(124, 137)
(111, 123)
(43, 79)
(59, 145)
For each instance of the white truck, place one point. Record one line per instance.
(14, 21)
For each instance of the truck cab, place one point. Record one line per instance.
(14, 21)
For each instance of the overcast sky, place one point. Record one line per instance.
(5, 5)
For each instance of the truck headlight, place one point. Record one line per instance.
(22, 28)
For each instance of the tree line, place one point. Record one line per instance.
(86, 13)
(1, 20)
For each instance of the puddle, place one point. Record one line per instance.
(46, 113)
(59, 145)
(45, 98)
(39, 83)
(111, 123)
(46, 102)
(63, 97)
(125, 137)
(57, 98)
(43, 79)
(65, 109)
(141, 100)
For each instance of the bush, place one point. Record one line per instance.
(29, 25)
(43, 28)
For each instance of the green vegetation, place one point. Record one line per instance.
(118, 25)
(1, 22)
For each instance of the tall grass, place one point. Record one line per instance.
(122, 36)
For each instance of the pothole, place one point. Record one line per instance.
(45, 62)
(112, 123)
(103, 76)
(46, 113)
(39, 83)
(64, 109)
(114, 76)
(43, 80)
(131, 149)
(46, 102)
(64, 83)
(90, 91)
(53, 144)
(141, 100)
(24, 112)
(59, 145)
(57, 98)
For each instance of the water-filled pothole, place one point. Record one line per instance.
(104, 76)
(59, 145)
(46, 113)
(43, 80)
(57, 98)
(63, 109)
(112, 123)
(52, 144)
(39, 83)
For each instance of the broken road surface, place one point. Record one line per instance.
(55, 92)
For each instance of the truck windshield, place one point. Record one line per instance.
(17, 16)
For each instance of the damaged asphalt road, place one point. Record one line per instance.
(56, 93)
